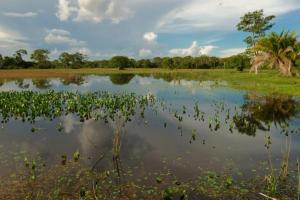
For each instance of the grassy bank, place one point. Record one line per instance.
(266, 81)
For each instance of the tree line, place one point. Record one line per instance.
(40, 59)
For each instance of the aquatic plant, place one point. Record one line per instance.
(30, 106)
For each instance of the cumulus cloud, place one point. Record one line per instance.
(150, 37)
(232, 51)
(69, 123)
(203, 15)
(193, 50)
(82, 50)
(94, 10)
(11, 40)
(60, 36)
(54, 54)
(65, 10)
(21, 15)
(145, 52)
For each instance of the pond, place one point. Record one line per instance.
(194, 126)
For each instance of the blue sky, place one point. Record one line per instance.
(135, 28)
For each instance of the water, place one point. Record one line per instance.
(147, 146)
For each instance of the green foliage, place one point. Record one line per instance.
(239, 62)
(120, 62)
(78, 60)
(157, 61)
(144, 63)
(257, 24)
(41, 56)
(28, 106)
(74, 61)
(76, 156)
(158, 180)
(279, 51)
(121, 79)
(18, 56)
(167, 63)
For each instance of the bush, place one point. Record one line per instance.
(120, 62)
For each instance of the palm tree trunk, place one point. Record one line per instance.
(290, 68)
(284, 69)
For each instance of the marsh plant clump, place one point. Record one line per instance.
(31, 106)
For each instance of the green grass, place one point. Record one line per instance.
(265, 82)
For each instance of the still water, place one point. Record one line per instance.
(159, 141)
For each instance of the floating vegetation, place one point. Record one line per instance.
(32, 106)
(29, 106)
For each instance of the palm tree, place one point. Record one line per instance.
(277, 51)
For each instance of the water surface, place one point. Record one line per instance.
(159, 141)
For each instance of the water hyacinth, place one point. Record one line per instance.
(29, 105)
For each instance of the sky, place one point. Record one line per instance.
(101, 29)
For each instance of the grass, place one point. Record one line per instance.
(265, 82)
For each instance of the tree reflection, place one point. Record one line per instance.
(121, 79)
(21, 84)
(77, 80)
(259, 112)
(41, 83)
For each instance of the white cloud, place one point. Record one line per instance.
(203, 15)
(21, 15)
(60, 36)
(94, 10)
(11, 40)
(232, 51)
(55, 53)
(65, 10)
(82, 50)
(150, 37)
(193, 50)
(69, 123)
(145, 52)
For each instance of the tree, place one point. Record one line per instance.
(188, 62)
(19, 56)
(238, 62)
(157, 61)
(1, 61)
(120, 62)
(144, 63)
(75, 60)
(255, 23)
(8, 62)
(277, 51)
(167, 63)
(41, 56)
(202, 62)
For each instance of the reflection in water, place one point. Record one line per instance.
(21, 84)
(271, 109)
(41, 83)
(69, 123)
(77, 80)
(155, 143)
(259, 112)
(121, 79)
